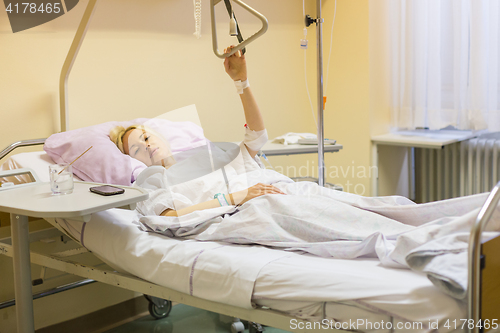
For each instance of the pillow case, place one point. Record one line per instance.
(105, 163)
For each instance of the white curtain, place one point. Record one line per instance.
(445, 63)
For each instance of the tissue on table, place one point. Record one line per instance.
(291, 138)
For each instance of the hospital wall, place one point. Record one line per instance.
(140, 59)
(392, 168)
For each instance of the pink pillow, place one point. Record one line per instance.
(105, 163)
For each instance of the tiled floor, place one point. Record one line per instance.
(183, 319)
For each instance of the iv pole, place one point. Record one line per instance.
(319, 34)
(321, 141)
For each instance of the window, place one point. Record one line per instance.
(445, 63)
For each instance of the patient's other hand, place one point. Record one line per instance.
(240, 197)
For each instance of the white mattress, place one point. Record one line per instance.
(306, 286)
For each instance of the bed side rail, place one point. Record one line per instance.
(474, 262)
(28, 176)
(24, 143)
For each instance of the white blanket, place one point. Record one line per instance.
(431, 238)
(237, 274)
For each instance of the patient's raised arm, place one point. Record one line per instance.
(256, 134)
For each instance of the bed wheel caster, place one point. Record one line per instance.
(158, 308)
(237, 326)
(255, 328)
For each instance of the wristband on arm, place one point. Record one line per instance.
(222, 199)
(240, 85)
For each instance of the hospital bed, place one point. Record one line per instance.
(291, 291)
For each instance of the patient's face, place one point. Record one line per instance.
(147, 147)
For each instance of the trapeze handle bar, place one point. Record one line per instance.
(241, 45)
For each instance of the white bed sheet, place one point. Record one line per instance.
(305, 286)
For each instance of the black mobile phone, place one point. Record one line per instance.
(107, 190)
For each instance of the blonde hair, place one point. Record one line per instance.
(117, 133)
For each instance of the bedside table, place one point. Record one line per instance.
(36, 200)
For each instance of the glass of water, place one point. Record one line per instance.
(61, 178)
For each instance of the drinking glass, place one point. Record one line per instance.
(61, 178)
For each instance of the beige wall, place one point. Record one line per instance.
(347, 89)
(140, 59)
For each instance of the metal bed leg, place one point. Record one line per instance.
(22, 273)
(53, 291)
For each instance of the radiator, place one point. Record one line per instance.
(459, 169)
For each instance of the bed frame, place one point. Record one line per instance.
(484, 268)
(483, 272)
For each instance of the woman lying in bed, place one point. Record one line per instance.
(145, 145)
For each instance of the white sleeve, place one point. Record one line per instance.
(161, 198)
(255, 140)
